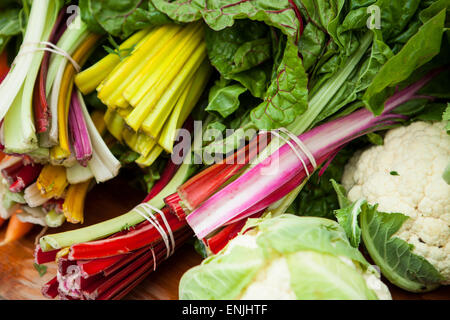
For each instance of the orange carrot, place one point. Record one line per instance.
(16, 229)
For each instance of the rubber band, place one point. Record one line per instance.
(299, 143)
(151, 218)
(154, 258)
(166, 223)
(55, 50)
(146, 210)
(302, 146)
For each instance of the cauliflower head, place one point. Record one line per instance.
(405, 176)
(286, 258)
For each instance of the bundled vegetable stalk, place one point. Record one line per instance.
(284, 170)
(110, 268)
(279, 176)
(150, 85)
(46, 122)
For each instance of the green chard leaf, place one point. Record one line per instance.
(318, 197)
(420, 49)
(240, 53)
(287, 96)
(9, 26)
(393, 255)
(224, 98)
(120, 18)
(220, 14)
(361, 78)
(322, 18)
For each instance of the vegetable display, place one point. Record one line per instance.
(286, 139)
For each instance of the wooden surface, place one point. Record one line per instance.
(20, 281)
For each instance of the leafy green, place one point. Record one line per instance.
(420, 49)
(322, 18)
(318, 197)
(287, 96)
(121, 53)
(220, 14)
(240, 52)
(394, 256)
(224, 98)
(9, 25)
(348, 215)
(348, 219)
(120, 18)
(360, 79)
(375, 139)
(41, 269)
(446, 117)
(446, 174)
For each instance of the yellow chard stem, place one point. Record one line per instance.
(158, 66)
(150, 159)
(80, 56)
(52, 182)
(125, 72)
(138, 142)
(165, 75)
(124, 112)
(145, 144)
(88, 80)
(154, 123)
(115, 124)
(184, 106)
(73, 206)
(130, 138)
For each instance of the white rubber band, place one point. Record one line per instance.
(146, 210)
(55, 50)
(151, 218)
(163, 217)
(154, 258)
(302, 146)
(299, 143)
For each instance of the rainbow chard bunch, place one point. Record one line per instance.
(46, 126)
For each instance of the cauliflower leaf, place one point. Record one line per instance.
(393, 255)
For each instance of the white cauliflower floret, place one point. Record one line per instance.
(405, 176)
(276, 275)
